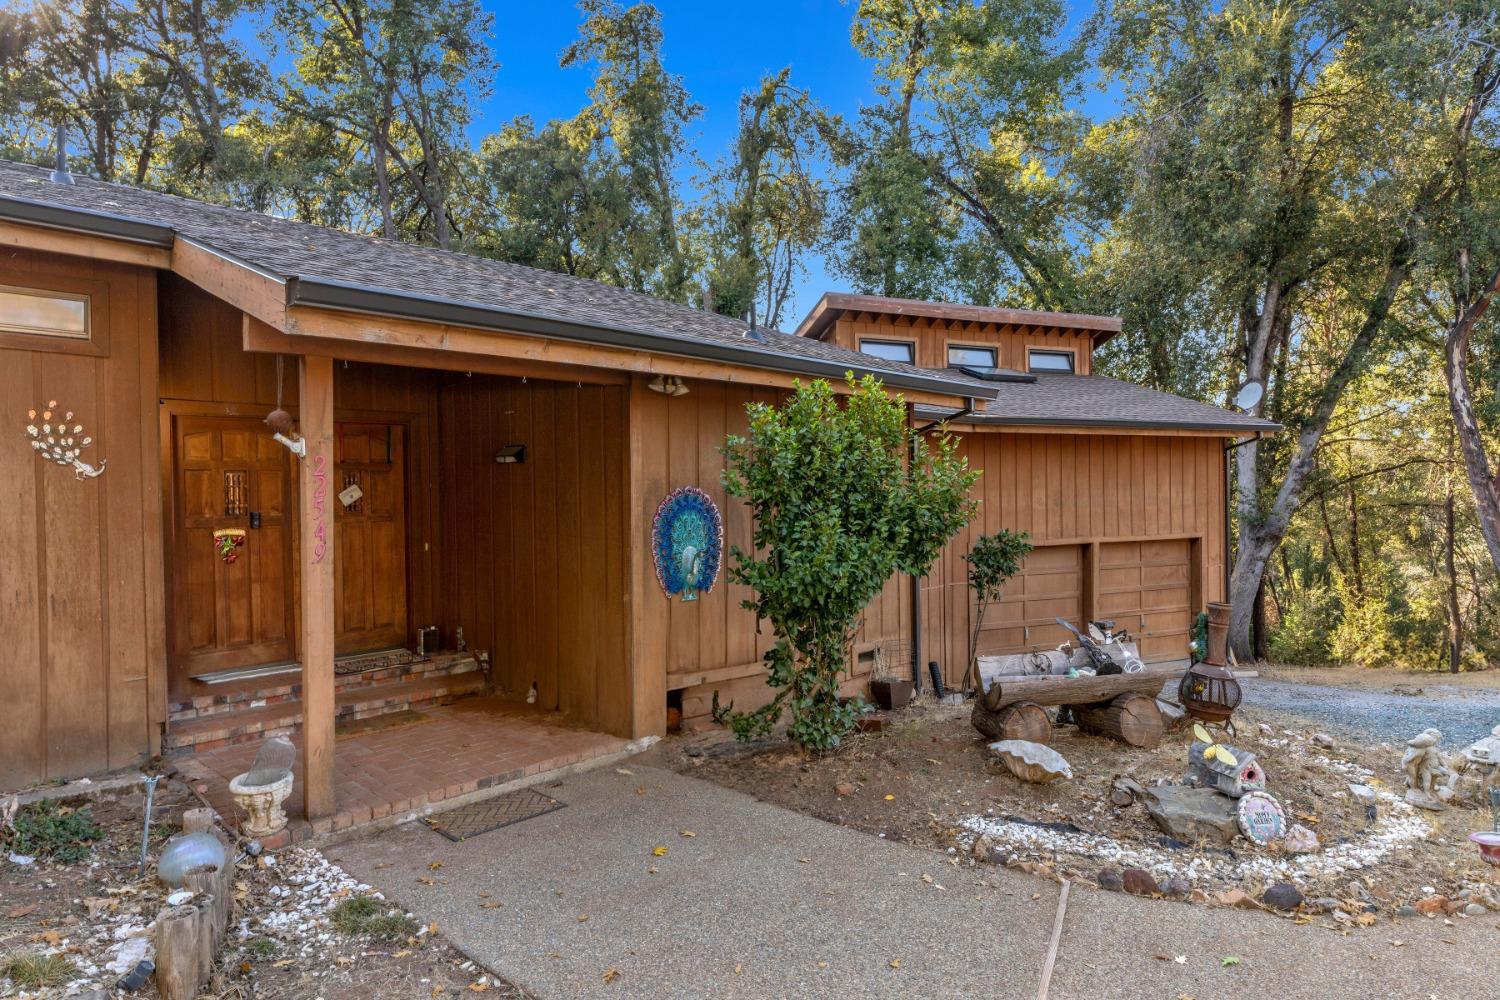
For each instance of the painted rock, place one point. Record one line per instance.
(1261, 818)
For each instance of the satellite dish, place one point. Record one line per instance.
(1249, 395)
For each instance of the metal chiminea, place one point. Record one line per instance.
(1209, 692)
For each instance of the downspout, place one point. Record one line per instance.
(916, 581)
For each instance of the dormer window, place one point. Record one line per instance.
(960, 356)
(890, 350)
(1050, 362)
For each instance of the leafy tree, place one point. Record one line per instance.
(640, 109)
(993, 560)
(1255, 167)
(766, 204)
(843, 495)
(400, 80)
(956, 182)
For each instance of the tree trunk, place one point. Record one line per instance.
(1455, 619)
(1476, 463)
(1261, 534)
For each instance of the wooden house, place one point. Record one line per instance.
(1121, 489)
(483, 449)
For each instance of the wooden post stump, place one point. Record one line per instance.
(180, 968)
(1024, 720)
(1130, 718)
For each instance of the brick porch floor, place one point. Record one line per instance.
(459, 749)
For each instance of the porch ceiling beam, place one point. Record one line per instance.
(260, 336)
(390, 331)
(316, 550)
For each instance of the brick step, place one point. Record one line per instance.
(285, 718)
(283, 688)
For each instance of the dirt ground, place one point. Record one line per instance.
(1408, 682)
(929, 774)
(284, 945)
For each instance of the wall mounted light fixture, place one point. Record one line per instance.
(670, 385)
(511, 454)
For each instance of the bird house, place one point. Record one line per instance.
(1233, 780)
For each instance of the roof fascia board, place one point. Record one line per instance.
(997, 420)
(344, 297)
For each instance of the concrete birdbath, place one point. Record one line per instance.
(260, 791)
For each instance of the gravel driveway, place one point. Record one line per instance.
(1463, 714)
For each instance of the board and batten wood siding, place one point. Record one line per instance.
(535, 565)
(81, 601)
(1096, 493)
(712, 644)
(932, 338)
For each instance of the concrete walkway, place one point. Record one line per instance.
(762, 902)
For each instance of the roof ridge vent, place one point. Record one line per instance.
(60, 172)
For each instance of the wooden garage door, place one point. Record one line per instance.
(1144, 587)
(1050, 585)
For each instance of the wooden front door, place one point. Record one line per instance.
(370, 571)
(237, 610)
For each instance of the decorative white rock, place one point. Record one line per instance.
(261, 803)
(1032, 761)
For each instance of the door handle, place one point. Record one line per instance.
(255, 519)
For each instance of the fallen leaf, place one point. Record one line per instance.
(343, 961)
(640, 790)
(583, 918)
(651, 870)
(803, 861)
(437, 991)
(493, 905)
(1180, 959)
(659, 851)
(427, 880)
(21, 911)
(402, 953)
(927, 878)
(894, 963)
(890, 798)
(686, 833)
(479, 987)
(432, 927)
(737, 967)
(433, 866)
(1229, 960)
(623, 770)
(283, 963)
(611, 974)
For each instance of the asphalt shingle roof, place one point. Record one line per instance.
(296, 251)
(1094, 400)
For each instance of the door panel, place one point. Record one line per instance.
(1145, 587)
(370, 572)
(1049, 586)
(229, 614)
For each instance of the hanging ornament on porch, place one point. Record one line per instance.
(227, 541)
(60, 440)
(283, 426)
(687, 543)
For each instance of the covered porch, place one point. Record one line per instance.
(475, 747)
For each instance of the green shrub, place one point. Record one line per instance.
(260, 948)
(47, 829)
(843, 495)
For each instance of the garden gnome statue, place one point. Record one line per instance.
(1425, 772)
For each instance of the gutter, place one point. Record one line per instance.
(346, 297)
(1175, 425)
(88, 221)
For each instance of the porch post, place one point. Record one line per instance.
(316, 554)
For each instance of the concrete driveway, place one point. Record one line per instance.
(762, 902)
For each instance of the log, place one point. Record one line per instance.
(1022, 721)
(1132, 718)
(180, 968)
(1076, 690)
(198, 820)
